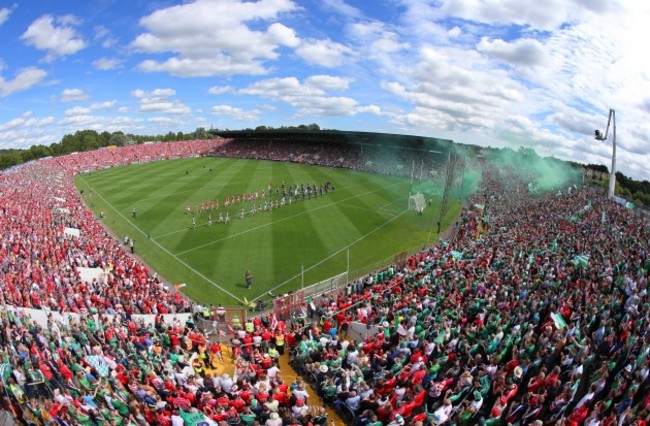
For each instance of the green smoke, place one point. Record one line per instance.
(544, 173)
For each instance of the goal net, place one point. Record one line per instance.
(417, 202)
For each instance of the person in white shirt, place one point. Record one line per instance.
(226, 382)
(442, 413)
(300, 392)
(177, 420)
(272, 372)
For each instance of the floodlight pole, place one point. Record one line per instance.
(611, 120)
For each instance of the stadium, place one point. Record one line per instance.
(324, 213)
(508, 319)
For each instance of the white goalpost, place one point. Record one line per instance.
(417, 202)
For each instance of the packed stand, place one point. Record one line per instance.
(536, 314)
(104, 366)
(376, 159)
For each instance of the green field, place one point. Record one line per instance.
(366, 215)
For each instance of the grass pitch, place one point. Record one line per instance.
(366, 215)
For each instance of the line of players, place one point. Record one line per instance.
(283, 195)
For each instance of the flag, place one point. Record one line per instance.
(558, 320)
(195, 418)
(99, 364)
(222, 333)
(5, 371)
(629, 206)
(274, 322)
(581, 260)
(554, 246)
(456, 254)
(603, 217)
(231, 330)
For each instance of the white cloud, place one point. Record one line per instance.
(236, 113)
(57, 41)
(158, 101)
(123, 109)
(23, 80)
(209, 38)
(163, 120)
(26, 120)
(326, 53)
(455, 89)
(370, 109)
(76, 111)
(5, 12)
(25, 131)
(524, 51)
(548, 14)
(103, 105)
(328, 82)
(454, 32)
(105, 64)
(218, 90)
(342, 8)
(282, 35)
(103, 35)
(379, 44)
(73, 95)
(307, 98)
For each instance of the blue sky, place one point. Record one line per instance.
(486, 72)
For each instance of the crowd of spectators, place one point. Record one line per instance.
(104, 366)
(389, 160)
(506, 325)
(536, 313)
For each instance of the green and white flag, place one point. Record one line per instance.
(5, 371)
(558, 321)
(581, 260)
(196, 418)
(456, 255)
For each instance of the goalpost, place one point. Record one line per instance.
(417, 202)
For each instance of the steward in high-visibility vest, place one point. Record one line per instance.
(279, 342)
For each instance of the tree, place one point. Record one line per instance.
(118, 138)
(200, 133)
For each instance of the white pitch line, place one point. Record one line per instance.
(269, 223)
(334, 254)
(167, 251)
